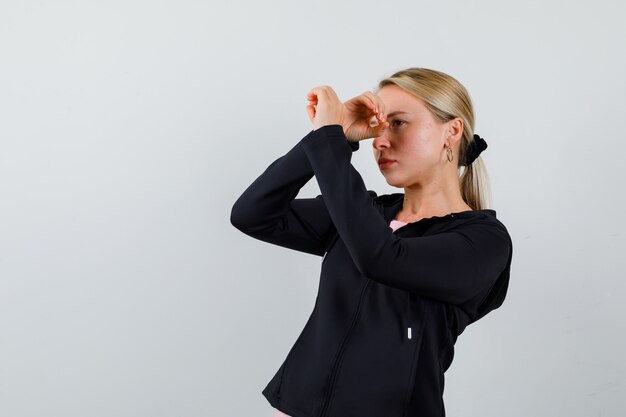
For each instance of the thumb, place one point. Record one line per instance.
(375, 131)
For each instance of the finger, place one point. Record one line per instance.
(375, 101)
(381, 105)
(370, 99)
(382, 109)
(313, 95)
(332, 94)
(321, 91)
(361, 106)
(319, 96)
(310, 109)
(376, 131)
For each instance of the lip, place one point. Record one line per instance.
(385, 163)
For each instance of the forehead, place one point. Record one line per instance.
(396, 99)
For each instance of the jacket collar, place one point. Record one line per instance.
(390, 204)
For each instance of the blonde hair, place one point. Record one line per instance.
(446, 98)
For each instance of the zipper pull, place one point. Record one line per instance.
(408, 315)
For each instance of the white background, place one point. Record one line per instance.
(129, 128)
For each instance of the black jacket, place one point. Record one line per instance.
(390, 305)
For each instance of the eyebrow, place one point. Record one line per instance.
(395, 113)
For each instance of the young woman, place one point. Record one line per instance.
(402, 274)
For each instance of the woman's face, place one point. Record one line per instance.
(414, 140)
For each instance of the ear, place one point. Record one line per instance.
(455, 131)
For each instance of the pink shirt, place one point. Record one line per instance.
(395, 225)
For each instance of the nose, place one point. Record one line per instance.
(381, 142)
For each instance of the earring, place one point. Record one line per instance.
(449, 154)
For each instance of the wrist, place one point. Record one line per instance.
(331, 128)
(330, 131)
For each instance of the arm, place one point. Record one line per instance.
(268, 210)
(452, 267)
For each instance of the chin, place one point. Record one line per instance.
(394, 182)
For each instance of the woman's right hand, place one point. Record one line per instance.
(365, 117)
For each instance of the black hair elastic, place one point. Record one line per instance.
(474, 149)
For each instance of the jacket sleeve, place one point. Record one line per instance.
(453, 266)
(268, 209)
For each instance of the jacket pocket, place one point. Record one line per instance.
(419, 312)
(376, 372)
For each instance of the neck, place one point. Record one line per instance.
(435, 198)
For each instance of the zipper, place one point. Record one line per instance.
(333, 373)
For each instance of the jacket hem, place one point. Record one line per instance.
(282, 405)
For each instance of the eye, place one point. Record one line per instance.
(397, 123)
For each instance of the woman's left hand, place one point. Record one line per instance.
(324, 107)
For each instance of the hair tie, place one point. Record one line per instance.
(474, 149)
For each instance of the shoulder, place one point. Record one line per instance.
(477, 226)
(489, 217)
(486, 227)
